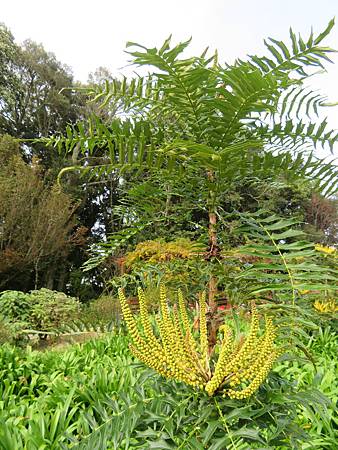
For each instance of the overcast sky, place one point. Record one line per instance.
(88, 34)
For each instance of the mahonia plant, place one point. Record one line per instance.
(172, 350)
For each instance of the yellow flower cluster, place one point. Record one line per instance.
(223, 359)
(325, 249)
(327, 306)
(241, 370)
(253, 368)
(174, 352)
(157, 251)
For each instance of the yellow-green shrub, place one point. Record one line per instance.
(159, 251)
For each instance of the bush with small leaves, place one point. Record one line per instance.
(52, 309)
(42, 310)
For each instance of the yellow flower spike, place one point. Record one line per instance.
(167, 323)
(256, 382)
(183, 312)
(204, 332)
(248, 347)
(222, 361)
(185, 321)
(184, 355)
(177, 328)
(326, 306)
(156, 362)
(165, 339)
(189, 341)
(258, 370)
(130, 321)
(170, 352)
(163, 302)
(148, 330)
(264, 349)
(140, 348)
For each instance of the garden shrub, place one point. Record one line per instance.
(52, 309)
(6, 333)
(15, 306)
(181, 265)
(102, 311)
(159, 250)
(41, 310)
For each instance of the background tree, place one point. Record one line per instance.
(38, 99)
(321, 218)
(37, 224)
(33, 102)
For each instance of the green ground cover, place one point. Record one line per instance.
(95, 396)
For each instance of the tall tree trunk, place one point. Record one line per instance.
(213, 252)
(213, 249)
(49, 277)
(36, 271)
(62, 279)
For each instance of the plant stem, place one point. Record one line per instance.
(224, 423)
(212, 253)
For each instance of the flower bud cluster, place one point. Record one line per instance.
(258, 379)
(203, 331)
(185, 320)
(169, 355)
(223, 359)
(190, 345)
(174, 353)
(245, 352)
(255, 367)
(145, 320)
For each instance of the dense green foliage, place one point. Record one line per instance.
(92, 397)
(187, 115)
